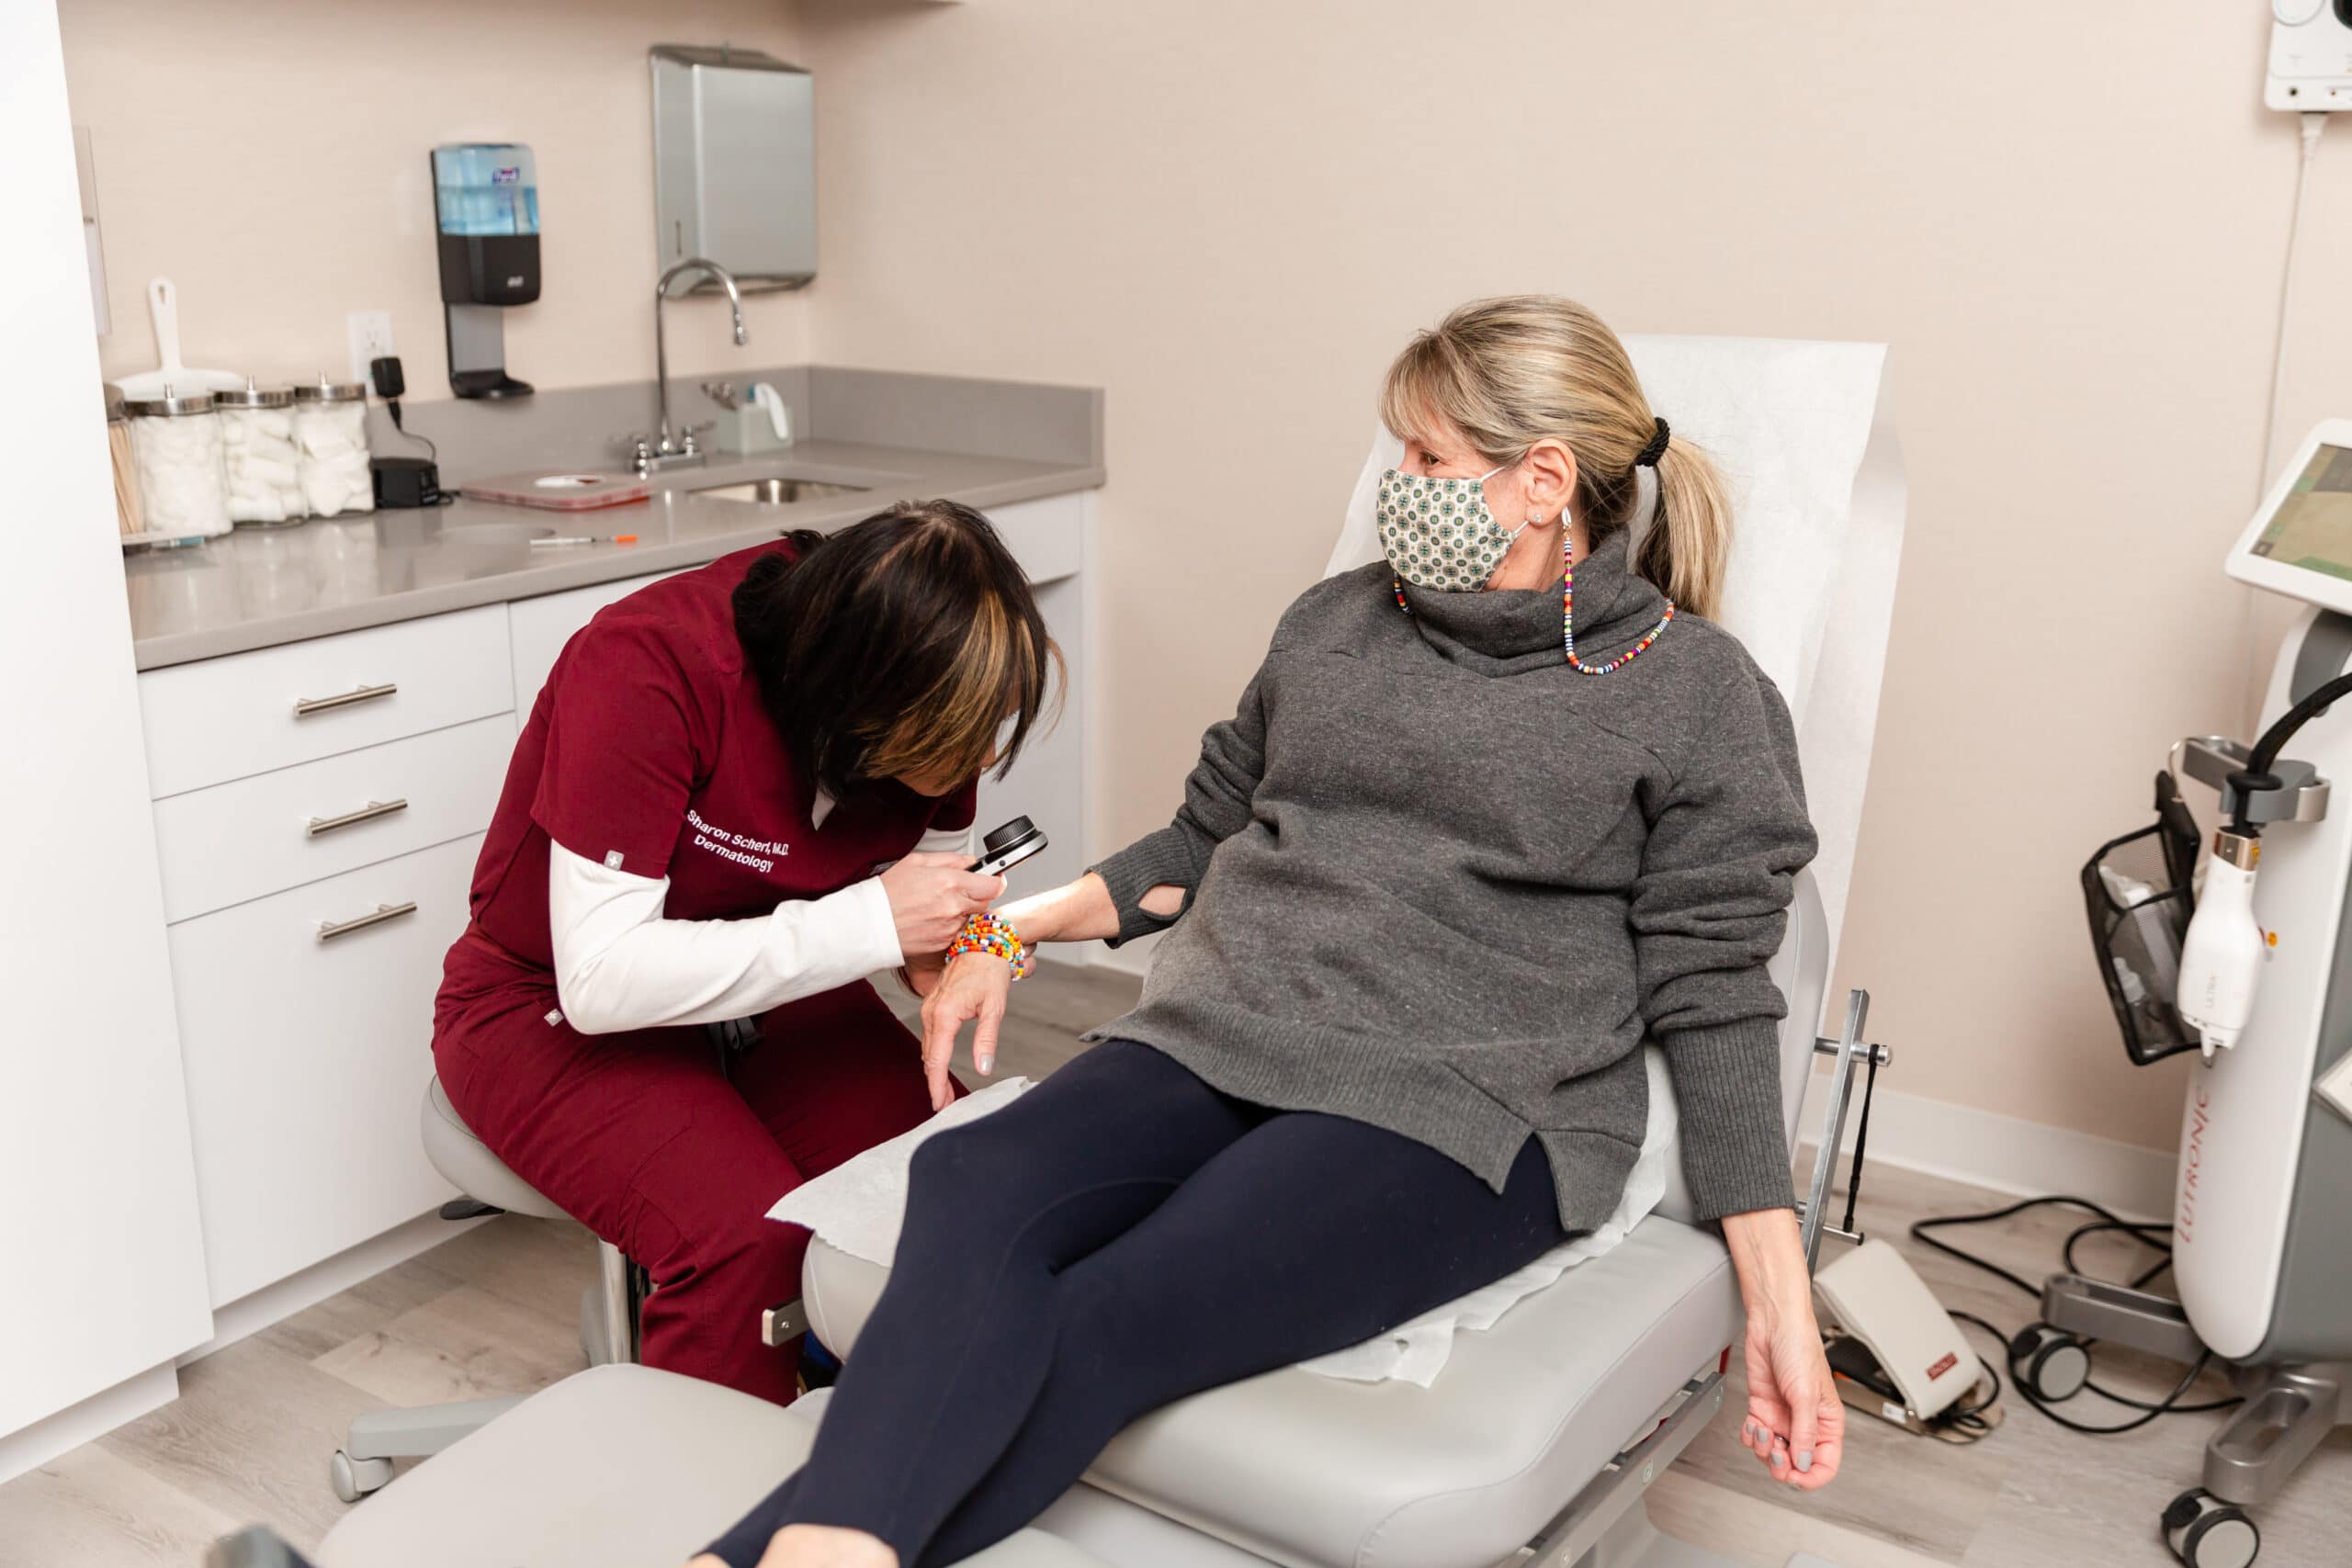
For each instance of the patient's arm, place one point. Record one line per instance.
(1076, 911)
(1151, 882)
(1708, 913)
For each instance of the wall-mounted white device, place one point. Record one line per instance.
(2311, 55)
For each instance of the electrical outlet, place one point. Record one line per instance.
(371, 339)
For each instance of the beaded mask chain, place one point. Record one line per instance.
(1568, 617)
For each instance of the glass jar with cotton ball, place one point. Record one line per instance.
(260, 457)
(175, 439)
(331, 433)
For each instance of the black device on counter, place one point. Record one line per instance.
(1008, 846)
(402, 482)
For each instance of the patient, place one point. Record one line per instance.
(1491, 812)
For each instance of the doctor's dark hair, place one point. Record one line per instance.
(902, 645)
(1512, 371)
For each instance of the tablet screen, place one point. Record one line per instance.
(2313, 527)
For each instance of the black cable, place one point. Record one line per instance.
(2257, 776)
(2137, 1233)
(2162, 1409)
(1988, 1401)
(392, 406)
(1920, 1228)
(2168, 1405)
(2147, 1234)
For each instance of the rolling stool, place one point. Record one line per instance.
(607, 1312)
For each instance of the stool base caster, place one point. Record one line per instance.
(2205, 1532)
(354, 1478)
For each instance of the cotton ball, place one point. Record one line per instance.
(180, 474)
(333, 438)
(264, 465)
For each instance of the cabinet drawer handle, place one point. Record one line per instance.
(366, 813)
(305, 706)
(330, 929)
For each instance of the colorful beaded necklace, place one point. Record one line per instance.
(1568, 616)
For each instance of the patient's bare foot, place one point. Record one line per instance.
(826, 1546)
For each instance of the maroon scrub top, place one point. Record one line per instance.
(651, 751)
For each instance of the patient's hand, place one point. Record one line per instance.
(921, 972)
(974, 986)
(1796, 1423)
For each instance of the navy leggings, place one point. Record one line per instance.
(1118, 1237)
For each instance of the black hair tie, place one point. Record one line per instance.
(1657, 448)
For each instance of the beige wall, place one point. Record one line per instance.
(2068, 218)
(268, 156)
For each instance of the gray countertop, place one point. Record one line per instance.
(259, 587)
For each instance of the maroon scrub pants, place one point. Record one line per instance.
(642, 1138)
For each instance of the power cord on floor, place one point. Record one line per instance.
(2157, 1238)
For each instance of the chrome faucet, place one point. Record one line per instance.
(663, 451)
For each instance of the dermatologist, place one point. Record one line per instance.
(741, 791)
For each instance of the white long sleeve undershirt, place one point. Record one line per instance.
(619, 963)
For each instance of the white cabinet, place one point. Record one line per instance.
(1047, 537)
(249, 837)
(308, 1036)
(315, 868)
(231, 718)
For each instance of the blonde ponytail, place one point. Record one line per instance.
(1687, 547)
(1509, 372)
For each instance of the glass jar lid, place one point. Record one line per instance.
(170, 405)
(325, 392)
(252, 397)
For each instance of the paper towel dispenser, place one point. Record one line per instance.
(735, 164)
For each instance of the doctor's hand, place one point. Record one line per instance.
(974, 987)
(930, 895)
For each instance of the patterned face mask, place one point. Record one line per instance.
(1437, 533)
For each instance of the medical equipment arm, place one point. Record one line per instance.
(1708, 913)
(620, 965)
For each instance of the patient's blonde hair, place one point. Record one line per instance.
(1509, 372)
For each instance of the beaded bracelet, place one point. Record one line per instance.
(993, 936)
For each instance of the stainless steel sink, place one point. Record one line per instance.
(780, 492)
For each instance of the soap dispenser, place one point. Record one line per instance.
(486, 205)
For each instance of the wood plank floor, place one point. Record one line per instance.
(496, 1310)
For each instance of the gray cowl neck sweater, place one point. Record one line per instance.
(1439, 882)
